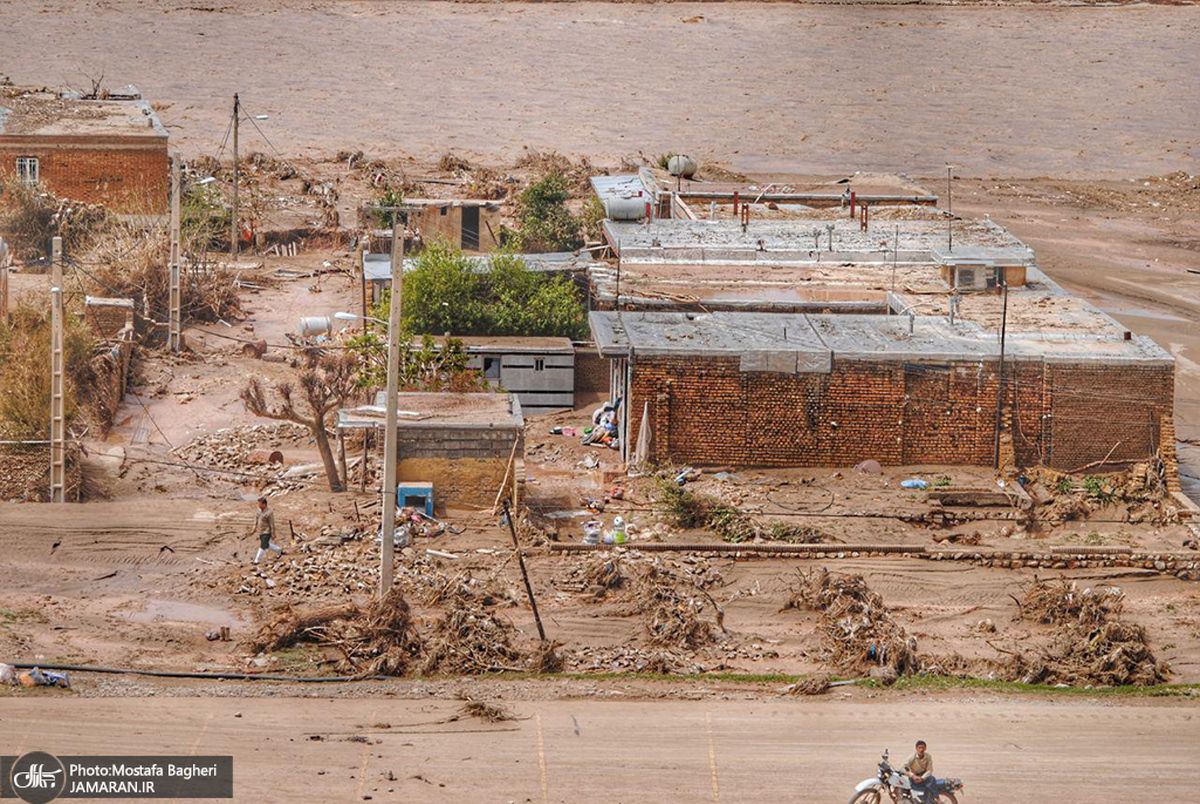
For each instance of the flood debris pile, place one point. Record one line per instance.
(471, 640)
(379, 639)
(1141, 491)
(690, 510)
(860, 631)
(1089, 645)
(675, 617)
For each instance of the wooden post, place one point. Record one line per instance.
(174, 339)
(57, 408)
(362, 467)
(512, 529)
(342, 457)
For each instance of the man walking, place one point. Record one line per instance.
(264, 526)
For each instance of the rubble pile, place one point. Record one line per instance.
(1090, 645)
(248, 448)
(854, 620)
(629, 659)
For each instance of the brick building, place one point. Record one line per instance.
(832, 390)
(110, 151)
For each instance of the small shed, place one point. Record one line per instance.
(466, 445)
(539, 371)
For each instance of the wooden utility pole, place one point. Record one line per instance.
(3, 280)
(174, 338)
(57, 411)
(233, 222)
(388, 537)
(949, 209)
(512, 529)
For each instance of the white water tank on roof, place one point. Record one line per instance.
(682, 165)
(626, 207)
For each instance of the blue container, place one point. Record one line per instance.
(414, 495)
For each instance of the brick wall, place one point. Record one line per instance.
(707, 411)
(124, 176)
(591, 371)
(108, 317)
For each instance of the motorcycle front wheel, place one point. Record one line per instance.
(866, 797)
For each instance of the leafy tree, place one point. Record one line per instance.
(325, 383)
(447, 293)
(543, 221)
(424, 368)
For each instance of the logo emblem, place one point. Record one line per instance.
(38, 777)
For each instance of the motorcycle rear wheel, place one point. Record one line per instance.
(866, 797)
(946, 798)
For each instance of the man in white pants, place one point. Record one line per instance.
(264, 526)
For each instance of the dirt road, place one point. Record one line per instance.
(611, 751)
(1009, 91)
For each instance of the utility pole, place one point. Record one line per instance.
(3, 280)
(174, 338)
(949, 205)
(56, 278)
(57, 412)
(1000, 372)
(233, 223)
(388, 537)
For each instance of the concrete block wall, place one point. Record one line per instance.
(453, 442)
(706, 411)
(125, 177)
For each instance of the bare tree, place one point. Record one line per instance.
(324, 384)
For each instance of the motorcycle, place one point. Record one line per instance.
(899, 790)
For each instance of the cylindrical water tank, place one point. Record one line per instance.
(626, 207)
(314, 325)
(682, 165)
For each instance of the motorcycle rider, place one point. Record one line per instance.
(920, 771)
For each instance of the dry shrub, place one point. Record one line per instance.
(1055, 602)
(470, 640)
(25, 370)
(671, 617)
(290, 627)
(856, 623)
(687, 509)
(577, 174)
(492, 713)
(546, 658)
(30, 218)
(130, 262)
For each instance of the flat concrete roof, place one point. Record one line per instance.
(378, 267)
(808, 240)
(762, 340)
(508, 344)
(45, 112)
(425, 409)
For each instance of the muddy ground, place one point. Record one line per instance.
(998, 90)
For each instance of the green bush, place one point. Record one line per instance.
(446, 292)
(543, 221)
